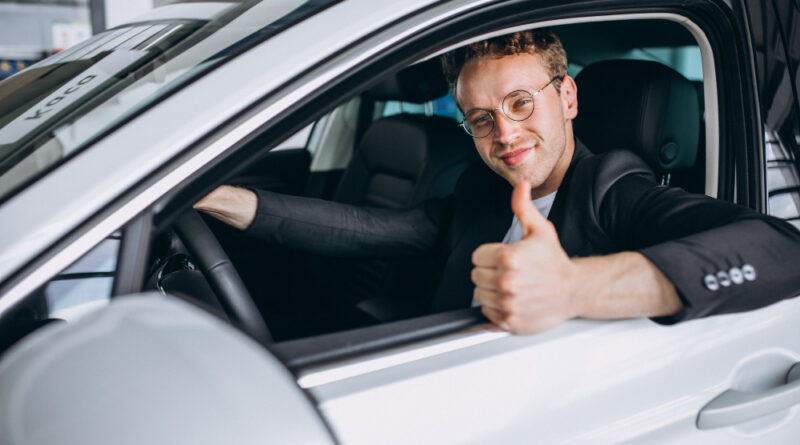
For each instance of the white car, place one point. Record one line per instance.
(125, 319)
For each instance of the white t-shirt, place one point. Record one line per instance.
(514, 233)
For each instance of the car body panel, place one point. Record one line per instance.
(150, 369)
(592, 382)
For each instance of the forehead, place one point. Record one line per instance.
(483, 82)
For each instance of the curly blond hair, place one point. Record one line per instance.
(541, 42)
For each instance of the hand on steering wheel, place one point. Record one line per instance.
(221, 275)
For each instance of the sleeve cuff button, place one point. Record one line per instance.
(723, 278)
(749, 272)
(736, 275)
(711, 282)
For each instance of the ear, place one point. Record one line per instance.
(569, 97)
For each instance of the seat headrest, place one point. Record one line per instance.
(418, 83)
(641, 106)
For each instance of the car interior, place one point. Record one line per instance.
(396, 143)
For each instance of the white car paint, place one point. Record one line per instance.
(150, 370)
(585, 382)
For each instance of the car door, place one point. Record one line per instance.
(588, 381)
(583, 382)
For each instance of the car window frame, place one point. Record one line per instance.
(379, 58)
(301, 354)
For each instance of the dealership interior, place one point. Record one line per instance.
(31, 30)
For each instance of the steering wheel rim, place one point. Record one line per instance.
(221, 275)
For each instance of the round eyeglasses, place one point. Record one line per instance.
(517, 106)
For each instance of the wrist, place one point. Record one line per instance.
(576, 291)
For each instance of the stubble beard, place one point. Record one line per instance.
(536, 170)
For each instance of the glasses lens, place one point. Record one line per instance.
(478, 123)
(518, 105)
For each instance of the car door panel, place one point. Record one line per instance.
(620, 381)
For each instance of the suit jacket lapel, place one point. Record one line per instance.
(567, 204)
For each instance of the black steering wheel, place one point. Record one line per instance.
(221, 275)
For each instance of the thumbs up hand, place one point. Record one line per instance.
(528, 286)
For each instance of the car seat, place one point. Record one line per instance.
(400, 161)
(641, 106)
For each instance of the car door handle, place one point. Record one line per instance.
(733, 406)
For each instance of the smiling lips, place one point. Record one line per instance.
(515, 157)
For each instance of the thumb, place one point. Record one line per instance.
(528, 215)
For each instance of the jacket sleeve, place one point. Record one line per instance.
(721, 257)
(329, 228)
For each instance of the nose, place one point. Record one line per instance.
(506, 131)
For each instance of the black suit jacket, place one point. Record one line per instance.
(606, 203)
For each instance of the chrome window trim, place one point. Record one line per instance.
(335, 372)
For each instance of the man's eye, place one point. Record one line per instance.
(520, 104)
(479, 120)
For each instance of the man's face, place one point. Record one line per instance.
(538, 149)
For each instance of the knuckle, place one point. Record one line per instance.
(512, 322)
(475, 256)
(507, 258)
(506, 283)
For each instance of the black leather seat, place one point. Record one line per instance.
(405, 159)
(642, 106)
(401, 161)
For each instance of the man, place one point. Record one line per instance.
(519, 104)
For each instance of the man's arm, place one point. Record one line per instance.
(532, 285)
(328, 228)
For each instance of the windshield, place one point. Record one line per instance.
(56, 107)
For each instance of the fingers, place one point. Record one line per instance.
(529, 217)
(488, 298)
(486, 254)
(484, 277)
(232, 205)
(497, 317)
(211, 200)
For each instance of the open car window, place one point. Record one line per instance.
(305, 295)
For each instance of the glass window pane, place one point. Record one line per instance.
(102, 258)
(67, 299)
(80, 288)
(785, 205)
(781, 176)
(55, 107)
